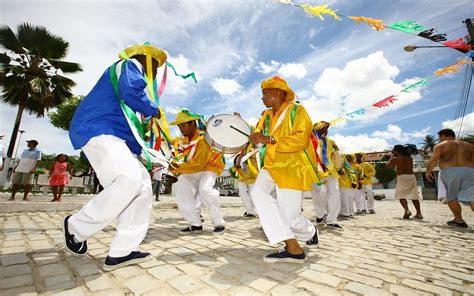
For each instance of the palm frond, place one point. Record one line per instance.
(41, 42)
(9, 41)
(66, 67)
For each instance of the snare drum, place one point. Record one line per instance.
(227, 133)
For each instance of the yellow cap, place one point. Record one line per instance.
(279, 83)
(147, 50)
(185, 116)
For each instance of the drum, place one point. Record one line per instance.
(227, 133)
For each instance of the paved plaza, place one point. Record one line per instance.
(379, 254)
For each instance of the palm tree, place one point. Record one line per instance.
(428, 143)
(31, 72)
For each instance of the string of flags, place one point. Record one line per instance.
(386, 102)
(406, 26)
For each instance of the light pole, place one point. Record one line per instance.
(410, 48)
(18, 146)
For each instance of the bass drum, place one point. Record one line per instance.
(227, 133)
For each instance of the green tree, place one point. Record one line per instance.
(428, 143)
(62, 116)
(383, 174)
(468, 138)
(31, 72)
(77, 163)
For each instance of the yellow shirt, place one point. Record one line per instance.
(204, 158)
(331, 151)
(348, 179)
(250, 173)
(368, 171)
(286, 161)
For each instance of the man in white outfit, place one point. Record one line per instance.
(198, 166)
(102, 130)
(326, 197)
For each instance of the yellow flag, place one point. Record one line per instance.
(337, 121)
(376, 24)
(319, 11)
(453, 68)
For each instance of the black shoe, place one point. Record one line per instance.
(364, 212)
(219, 229)
(314, 241)
(247, 215)
(359, 213)
(78, 249)
(461, 224)
(191, 228)
(320, 220)
(284, 256)
(334, 225)
(371, 211)
(135, 257)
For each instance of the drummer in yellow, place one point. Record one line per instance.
(286, 171)
(347, 184)
(367, 172)
(198, 166)
(246, 170)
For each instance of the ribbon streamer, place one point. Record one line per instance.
(192, 75)
(407, 26)
(376, 24)
(319, 11)
(385, 102)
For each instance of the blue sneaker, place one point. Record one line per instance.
(135, 257)
(284, 256)
(75, 248)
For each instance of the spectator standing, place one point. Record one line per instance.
(157, 176)
(25, 169)
(3, 153)
(58, 177)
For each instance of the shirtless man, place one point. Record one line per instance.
(455, 158)
(406, 181)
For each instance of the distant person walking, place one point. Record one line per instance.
(24, 171)
(58, 177)
(3, 153)
(455, 158)
(406, 181)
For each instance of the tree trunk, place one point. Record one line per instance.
(16, 127)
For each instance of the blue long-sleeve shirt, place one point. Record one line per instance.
(100, 112)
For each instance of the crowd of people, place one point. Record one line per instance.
(286, 156)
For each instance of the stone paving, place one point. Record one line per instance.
(379, 254)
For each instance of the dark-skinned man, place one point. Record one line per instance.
(102, 128)
(287, 162)
(198, 167)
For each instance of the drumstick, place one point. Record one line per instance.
(242, 132)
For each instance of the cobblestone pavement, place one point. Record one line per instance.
(379, 254)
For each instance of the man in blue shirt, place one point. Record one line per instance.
(24, 171)
(103, 127)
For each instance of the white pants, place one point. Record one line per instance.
(369, 195)
(244, 193)
(200, 184)
(347, 201)
(127, 196)
(327, 199)
(361, 204)
(281, 217)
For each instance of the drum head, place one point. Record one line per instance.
(222, 130)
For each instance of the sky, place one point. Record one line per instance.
(333, 66)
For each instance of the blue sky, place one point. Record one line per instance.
(333, 66)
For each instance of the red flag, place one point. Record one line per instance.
(385, 102)
(458, 44)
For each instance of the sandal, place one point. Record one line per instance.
(407, 215)
(461, 224)
(419, 217)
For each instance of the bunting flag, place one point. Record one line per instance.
(319, 11)
(286, 2)
(453, 68)
(458, 44)
(376, 24)
(412, 87)
(360, 111)
(407, 26)
(385, 102)
(428, 34)
(337, 121)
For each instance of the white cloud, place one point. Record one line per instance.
(379, 140)
(225, 87)
(359, 84)
(292, 70)
(467, 125)
(267, 68)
